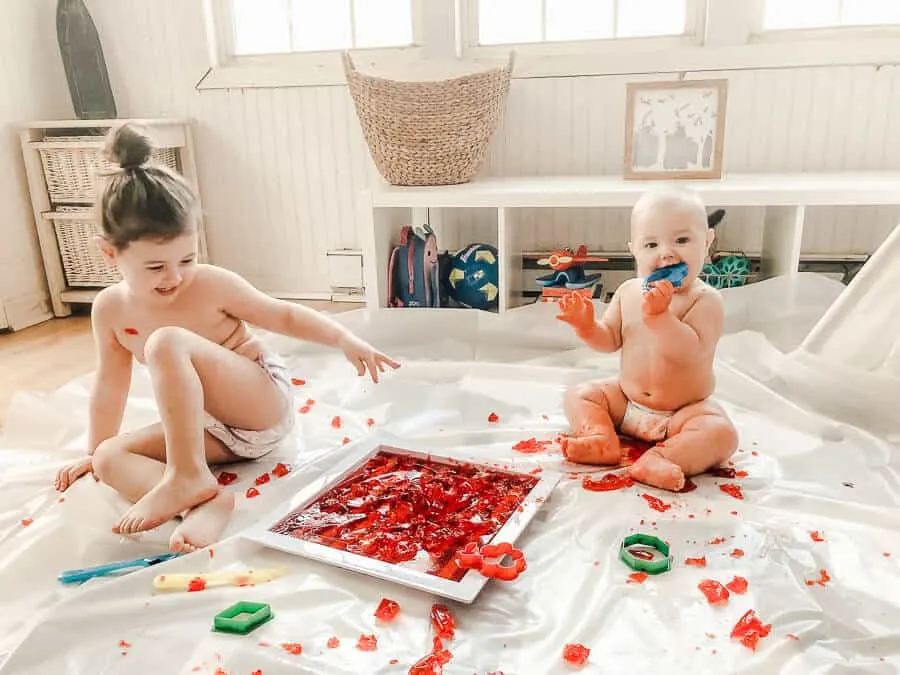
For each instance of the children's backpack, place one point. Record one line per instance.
(414, 270)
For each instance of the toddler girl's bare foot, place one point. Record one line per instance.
(203, 524)
(654, 469)
(592, 446)
(174, 493)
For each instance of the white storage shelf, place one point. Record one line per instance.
(784, 196)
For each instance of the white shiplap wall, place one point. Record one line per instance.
(280, 169)
(32, 86)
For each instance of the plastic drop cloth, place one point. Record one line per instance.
(809, 470)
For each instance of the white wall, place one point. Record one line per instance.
(32, 86)
(278, 165)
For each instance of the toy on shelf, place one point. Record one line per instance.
(474, 277)
(728, 271)
(568, 274)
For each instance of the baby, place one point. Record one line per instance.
(222, 397)
(668, 336)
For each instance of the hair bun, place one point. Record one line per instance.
(129, 147)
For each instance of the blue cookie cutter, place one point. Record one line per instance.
(673, 273)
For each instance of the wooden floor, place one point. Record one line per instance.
(45, 357)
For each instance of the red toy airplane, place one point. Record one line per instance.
(563, 258)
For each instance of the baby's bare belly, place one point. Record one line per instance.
(665, 385)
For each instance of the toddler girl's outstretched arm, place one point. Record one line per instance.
(243, 301)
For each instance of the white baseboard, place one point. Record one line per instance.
(27, 310)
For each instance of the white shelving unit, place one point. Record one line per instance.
(85, 139)
(784, 196)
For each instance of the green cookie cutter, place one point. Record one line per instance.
(242, 617)
(649, 566)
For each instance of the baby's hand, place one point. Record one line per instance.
(577, 311)
(364, 356)
(658, 298)
(69, 474)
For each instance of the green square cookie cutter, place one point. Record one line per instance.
(242, 617)
(649, 566)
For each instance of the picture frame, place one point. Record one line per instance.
(675, 129)
(412, 574)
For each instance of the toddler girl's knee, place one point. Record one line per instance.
(105, 458)
(726, 437)
(164, 343)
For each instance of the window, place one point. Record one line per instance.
(792, 14)
(279, 26)
(570, 20)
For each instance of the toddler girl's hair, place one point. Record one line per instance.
(142, 199)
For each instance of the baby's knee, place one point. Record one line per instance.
(723, 435)
(164, 343)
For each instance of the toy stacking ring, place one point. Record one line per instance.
(641, 564)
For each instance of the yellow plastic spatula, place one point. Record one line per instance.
(198, 582)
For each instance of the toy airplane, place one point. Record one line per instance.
(568, 268)
(112, 569)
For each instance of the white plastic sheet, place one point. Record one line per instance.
(808, 470)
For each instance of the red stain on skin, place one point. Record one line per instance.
(609, 482)
(631, 450)
(394, 506)
(130, 331)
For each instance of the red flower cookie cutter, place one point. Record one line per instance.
(487, 560)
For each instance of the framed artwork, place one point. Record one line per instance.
(675, 129)
(401, 515)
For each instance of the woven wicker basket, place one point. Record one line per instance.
(71, 173)
(429, 133)
(83, 264)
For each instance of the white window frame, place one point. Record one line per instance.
(727, 36)
(290, 69)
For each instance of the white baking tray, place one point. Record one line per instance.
(465, 590)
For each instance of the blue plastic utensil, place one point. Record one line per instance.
(113, 568)
(674, 273)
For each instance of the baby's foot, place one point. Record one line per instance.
(591, 448)
(203, 524)
(174, 493)
(654, 469)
